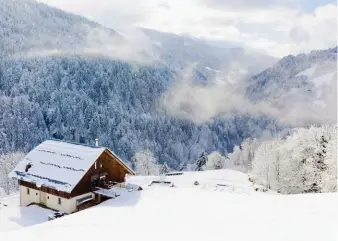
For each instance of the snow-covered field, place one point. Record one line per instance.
(13, 217)
(189, 212)
(216, 180)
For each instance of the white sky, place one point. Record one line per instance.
(276, 27)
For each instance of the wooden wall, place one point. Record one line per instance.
(110, 164)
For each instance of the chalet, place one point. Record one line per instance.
(65, 176)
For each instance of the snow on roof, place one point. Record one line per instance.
(57, 164)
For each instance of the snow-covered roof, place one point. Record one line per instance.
(57, 164)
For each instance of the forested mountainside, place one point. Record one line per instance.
(211, 60)
(302, 88)
(26, 25)
(304, 73)
(78, 97)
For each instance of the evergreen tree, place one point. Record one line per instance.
(201, 161)
(164, 169)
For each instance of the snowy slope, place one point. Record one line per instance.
(211, 60)
(217, 180)
(304, 74)
(169, 213)
(27, 24)
(187, 214)
(321, 76)
(12, 216)
(301, 88)
(12, 200)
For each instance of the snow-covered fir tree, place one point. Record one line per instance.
(329, 176)
(201, 162)
(164, 169)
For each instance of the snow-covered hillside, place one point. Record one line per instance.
(302, 73)
(322, 77)
(210, 59)
(26, 25)
(67, 79)
(181, 213)
(217, 180)
(302, 88)
(13, 217)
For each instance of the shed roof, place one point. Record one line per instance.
(59, 165)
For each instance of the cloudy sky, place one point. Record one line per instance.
(276, 27)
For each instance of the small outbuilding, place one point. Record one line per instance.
(64, 176)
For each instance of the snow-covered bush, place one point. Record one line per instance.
(215, 161)
(164, 169)
(7, 164)
(243, 155)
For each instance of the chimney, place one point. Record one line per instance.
(28, 166)
(97, 142)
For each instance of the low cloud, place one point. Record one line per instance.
(130, 46)
(201, 103)
(274, 27)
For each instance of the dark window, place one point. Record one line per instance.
(36, 194)
(47, 197)
(27, 191)
(59, 201)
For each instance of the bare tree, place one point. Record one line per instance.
(145, 163)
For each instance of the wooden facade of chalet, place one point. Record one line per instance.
(106, 169)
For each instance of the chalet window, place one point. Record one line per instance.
(27, 191)
(59, 201)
